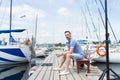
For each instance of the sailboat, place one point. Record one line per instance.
(109, 53)
(13, 53)
(114, 54)
(39, 51)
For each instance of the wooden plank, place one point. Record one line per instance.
(43, 71)
(62, 77)
(70, 76)
(73, 71)
(41, 74)
(52, 72)
(48, 71)
(56, 73)
(75, 74)
(52, 75)
(93, 75)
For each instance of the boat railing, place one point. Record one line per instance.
(17, 44)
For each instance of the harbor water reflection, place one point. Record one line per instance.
(115, 67)
(18, 71)
(14, 72)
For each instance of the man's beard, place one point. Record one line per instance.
(68, 38)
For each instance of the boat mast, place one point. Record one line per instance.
(36, 28)
(10, 18)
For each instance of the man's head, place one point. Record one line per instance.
(67, 35)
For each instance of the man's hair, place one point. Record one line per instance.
(67, 32)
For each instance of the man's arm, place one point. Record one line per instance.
(70, 50)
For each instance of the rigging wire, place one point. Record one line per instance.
(109, 22)
(4, 13)
(86, 22)
(1, 2)
(110, 9)
(82, 23)
(100, 14)
(91, 19)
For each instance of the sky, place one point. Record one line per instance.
(53, 17)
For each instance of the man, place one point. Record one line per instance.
(74, 51)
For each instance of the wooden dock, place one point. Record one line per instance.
(45, 72)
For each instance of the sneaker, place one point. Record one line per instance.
(57, 69)
(64, 73)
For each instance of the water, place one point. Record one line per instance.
(14, 72)
(115, 67)
(18, 71)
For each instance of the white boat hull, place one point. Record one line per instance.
(13, 54)
(40, 51)
(114, 57)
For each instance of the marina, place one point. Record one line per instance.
(52, 26)
(46, 72)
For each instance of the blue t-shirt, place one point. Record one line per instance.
(75, 44)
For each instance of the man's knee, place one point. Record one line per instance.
(64, 56)
(68, 55)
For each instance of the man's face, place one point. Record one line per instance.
(67, 35)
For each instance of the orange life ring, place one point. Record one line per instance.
(98, 51)
(27, 41)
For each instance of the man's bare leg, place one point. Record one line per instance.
(68, 59)
(62, 61)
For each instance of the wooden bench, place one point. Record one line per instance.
(85, 61)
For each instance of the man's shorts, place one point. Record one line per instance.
(77, 56)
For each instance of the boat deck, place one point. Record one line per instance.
(45, 72)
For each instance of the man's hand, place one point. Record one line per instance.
(59, 54)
